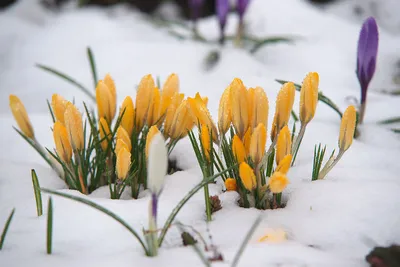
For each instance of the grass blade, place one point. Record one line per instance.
(92, 65)
(5, 230)
(68, 79)
(390, 121)
(38, 195)
(270, 40)
(49, 238)
(246, 241)
(99, 208)
(321, 97)
(51, 111)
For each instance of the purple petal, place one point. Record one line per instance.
(154, 202)
(367, 54)
(241, 7)
(195, 8)
(222, 7)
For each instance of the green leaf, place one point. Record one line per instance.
(92, 65)
(270, 40)
(321, 97)
(51, 111)
(390, 121)
(49, 239)
(99, 208)
(246, 241)
(68, 79)
(38, 195)
(6, 226)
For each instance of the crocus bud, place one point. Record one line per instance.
(108, 80)
(170, 87)
(247, 141)
(224, 112)
(104, 100)
(170, 113)
(309, 97)
(128, 111)
(119, 145)
(205, 141)
(105, 133)
(58, 105)
(347, 128)
(238, 149)
(157, 164)
(182, 119)
(144, 99)
(123, 163)
(230, 184)
(63, 147)
(73, 123)
(241, 8)
(247, 176)
(257, 143)
(366, 58)
(240, 117)
(284, 164)
(122, 134)
(154, 111)
(259, 107)
(21, 116)
(201, 114)
(284, 105)
(222, 7)
(283, 145)
(278, 182)
(152, 132)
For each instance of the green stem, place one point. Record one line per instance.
(362, 113)
(328, 168)
(296, 146)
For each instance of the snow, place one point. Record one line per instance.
(334, 222)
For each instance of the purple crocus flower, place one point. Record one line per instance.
(222, 7)
(241, 6)
(195, 7)
(154, 204)
(366, 58)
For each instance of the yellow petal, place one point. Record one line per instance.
(247, 141)
(284, 164)
(278, 182)
(105, 134)
(284, 105)
(224, 112)
(119, 145)
(58, 105)
(171, 86)
(347, 128)
(247, 176)
(144, 99)
(200, 113)
(309, 97)
(230, 184)
(111, 87)
(238, 149)
(154, 111)
(73, 123)
(181, 120)
(128, 110)
(259, 108)
(205, 141)
(240, 113)
(104, 101)
(152, 131)
(169, 117)
(284, 144)
(257, 143)
(123, 163)
(21, 116)
(250, 105)
(63, 147)
(274, 236)
(122, 134)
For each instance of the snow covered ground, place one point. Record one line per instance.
(334, 222)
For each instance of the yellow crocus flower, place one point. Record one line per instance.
(347, 128)
(144, 99)
(278, 182)
(152, 132)
(122, 134)
(154, 111)
(104, 100)
(169, 117)
(309, 97)
(181, 121)
(247, 141)
(123, 163)
(58, 105)
(73, 123)
(108, 80)
(240, 113)
(283, 145)
(247, 176)
(170, 87)
(284, 164)
(257, 143)
(105, 133)
(284, 105)
(127, 120)
(224, 112)
(259, 108)
(230, 184)
(200, 113)
(21, 116)
(63, 147)
(238, 149)
(119, 145)
(205, 141)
